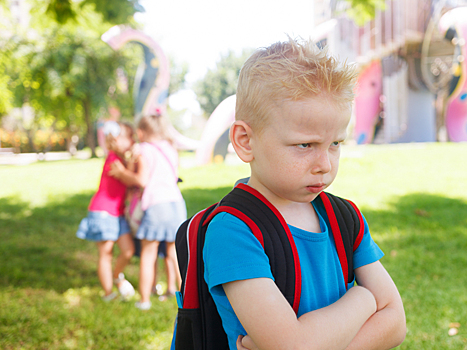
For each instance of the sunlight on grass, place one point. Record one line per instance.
(41, 182)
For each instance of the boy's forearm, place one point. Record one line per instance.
(384, 330)
(271, 323)
(337, 324)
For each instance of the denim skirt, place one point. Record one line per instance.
(160, 222)
(101, 226)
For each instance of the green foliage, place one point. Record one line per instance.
(67, 74)
(115, 11)
(6, 96)
(178, 71)
(221, 82)
(362, 11)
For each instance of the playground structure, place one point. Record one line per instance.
(412, 69)
(454, 25)
(412, 85)
(412, 81)
(151, 86)
(215, 138)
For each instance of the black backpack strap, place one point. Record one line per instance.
(271, 230)
(347, 228)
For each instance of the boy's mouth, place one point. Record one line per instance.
(316, 188)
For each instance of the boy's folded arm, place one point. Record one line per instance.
(272, 324)
(386, 328)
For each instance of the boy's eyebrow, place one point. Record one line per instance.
(317, 138)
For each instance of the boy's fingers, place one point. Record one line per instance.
(248, 343)
(240, 343)
(245, 343)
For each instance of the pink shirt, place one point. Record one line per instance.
(162, 162)
(110, 196)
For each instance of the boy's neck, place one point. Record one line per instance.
(297, 214)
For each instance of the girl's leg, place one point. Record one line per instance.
(104, 267)
(127, 249)
(147, 265)
(173, 273)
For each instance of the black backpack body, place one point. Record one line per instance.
(199, 325)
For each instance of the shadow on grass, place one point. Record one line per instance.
(424, 225)
(38, 246)
(425, 240)
(39, 249)
(198, 199)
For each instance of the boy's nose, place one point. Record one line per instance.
(321, 163)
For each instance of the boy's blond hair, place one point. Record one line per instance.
(290, 71)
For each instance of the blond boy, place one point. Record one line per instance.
(293, 109)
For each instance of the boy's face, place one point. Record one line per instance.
(296, 156)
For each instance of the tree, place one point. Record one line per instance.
(221, 82)
(114, 12)
(362, 11)
(178, 72)
(68, 75)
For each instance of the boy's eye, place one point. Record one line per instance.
(304, 145)
(336, 143)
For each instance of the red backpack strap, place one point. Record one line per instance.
(199, 325)
(361, 230)
(347, 228)
(190, 287)
(336, 232)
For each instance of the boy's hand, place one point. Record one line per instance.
(116, 169)
(245, 343)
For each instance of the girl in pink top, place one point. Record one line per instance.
(105, 223)
(162, 202)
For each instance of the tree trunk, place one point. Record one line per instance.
(90, 127)
(30, 135)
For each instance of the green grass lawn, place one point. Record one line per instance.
(414, 197)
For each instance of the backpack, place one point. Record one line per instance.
(199, 326)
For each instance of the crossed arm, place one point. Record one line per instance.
(368, 316)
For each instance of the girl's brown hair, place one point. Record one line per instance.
(156, 125)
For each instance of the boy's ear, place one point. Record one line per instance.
(240, 137)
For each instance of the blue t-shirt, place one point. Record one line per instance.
(232, 253)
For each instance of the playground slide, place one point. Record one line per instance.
(216, 133)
